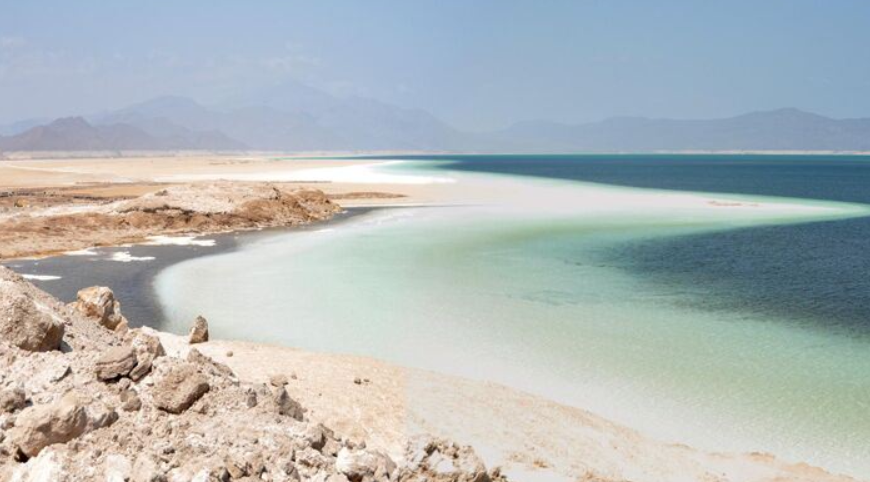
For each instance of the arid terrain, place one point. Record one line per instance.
(52, 206)
(104, 176)
(50, 225)
(84, 397)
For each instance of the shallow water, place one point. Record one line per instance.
(551, 300)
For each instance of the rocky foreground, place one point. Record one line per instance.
(32, 225)
(84, 397)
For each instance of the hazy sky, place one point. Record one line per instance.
(476, 64)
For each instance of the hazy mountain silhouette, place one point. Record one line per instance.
(20, 126)
(782, 129)
(295, 117)
(76, 134)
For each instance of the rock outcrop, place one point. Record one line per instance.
(99, 303)
(12, 399)
(363, 464)
(59, 422)
(180, 209)
(199, 331)
(115, 406)
(179, 388)
(286, 405)
(435, 460)
(148, 348)
(25, 323)
(116, 362)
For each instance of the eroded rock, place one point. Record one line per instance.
(148, 348)
(12, 399)
(179, 388)
(115, 363)
(27, 324)
(73, 415)
(165, 428)
(360, 464)
(209, 365)
(130, 401)
(99, 303)
(145, 342)
(199, 331)
(435, 460)
(142, 368)
(286, 405)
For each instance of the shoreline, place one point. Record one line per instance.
(540, 444)
(668, 464)
(302, 327)
(50, 223)
(132, 275)
(386, 405)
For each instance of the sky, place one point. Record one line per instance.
(477, 64)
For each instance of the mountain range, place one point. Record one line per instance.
(295, 117)
(76, 134)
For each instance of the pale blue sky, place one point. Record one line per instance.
(475, 64)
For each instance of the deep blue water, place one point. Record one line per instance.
(816, 274)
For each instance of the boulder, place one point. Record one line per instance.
(435, 460)
(316, 436)
(115, 363)
(362, 464)
(286, 405)
(179, 388)
(209, 366)
(99, 303)
(142, 368)
(28, 324)
(12, 399)
(146, 342)
(148, 348)
(59, 422)
(199, 331)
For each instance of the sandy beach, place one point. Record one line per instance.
(111, 177)
(385, 403)
(544, 441)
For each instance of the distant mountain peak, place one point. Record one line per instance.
(291, 116)
(785, 113)
(70, 122)
(76, 134)
(787, 110)
(778, 129)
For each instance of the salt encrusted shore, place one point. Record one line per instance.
(27, 230)
(150, 412)
(83, 397)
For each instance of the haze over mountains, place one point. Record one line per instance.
(294, 117)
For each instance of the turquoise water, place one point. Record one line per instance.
(512, 287)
